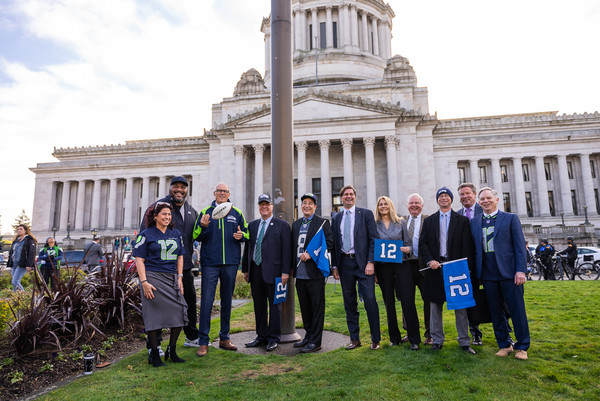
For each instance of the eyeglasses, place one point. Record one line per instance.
(223, 191)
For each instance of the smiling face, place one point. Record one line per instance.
(415, 206)
(178, 192)
(265, 209)
(163, 218)
(383, 207)
(488, 201)
(467, 196)
(308, 207)
(444, 201)
(221, 193)
(348, 198)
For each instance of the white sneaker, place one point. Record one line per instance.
(161, 353)
(191, 343)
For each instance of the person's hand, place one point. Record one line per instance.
(520, 278)
(180, 283)
(148, 288)
(336, 273)
(405, 249)
(205, 220)
(305, 256)
(284, 278)
(28, 269)
(246, 276)
(434, 264)
(238, 235)
(370, 269)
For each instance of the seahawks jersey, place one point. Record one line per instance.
(160, 250)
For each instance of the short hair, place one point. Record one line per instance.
(467, 185)
(393, 215)
(493, 191)
(220, 184)
(154, 210)
(417, 195)
(347, 187)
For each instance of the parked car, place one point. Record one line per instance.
(588, 254)
(74, 258)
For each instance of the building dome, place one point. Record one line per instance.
(250, 82)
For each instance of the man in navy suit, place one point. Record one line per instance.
(501, 261)
(266, 257)
(354, 232)
(467, 193)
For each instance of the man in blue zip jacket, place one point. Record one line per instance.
(220, 255)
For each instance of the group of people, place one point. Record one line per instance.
(545, 251)
(492, 242)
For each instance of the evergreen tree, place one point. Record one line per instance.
(21, 219)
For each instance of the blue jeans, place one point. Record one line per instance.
(210, 276)
(17, 275)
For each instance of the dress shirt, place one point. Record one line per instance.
(415, 238)
(352, 216)
(267, 223)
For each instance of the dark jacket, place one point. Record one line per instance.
(311, 267)
(276, 245)
(365, 233)
(27, 253)
(185, 227)
(50, 257)
(93, 254)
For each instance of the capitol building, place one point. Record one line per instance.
(359, 118)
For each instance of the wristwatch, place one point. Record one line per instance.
(179, 275)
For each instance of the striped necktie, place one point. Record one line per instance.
(258, 247)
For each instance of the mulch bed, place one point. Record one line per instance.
(127, 341)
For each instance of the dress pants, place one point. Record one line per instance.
(263, 295)
(513, 296)
(189, 294)
(350, 274)
(210, 276)
(311, 297)
(418, 280)
(437, 325)
(396, 282)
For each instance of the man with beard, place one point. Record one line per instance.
(184, 218)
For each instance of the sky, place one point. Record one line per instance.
(88, 72)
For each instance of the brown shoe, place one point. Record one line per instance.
(228, 345)
(505, 351)
(374, 346)
(428, 341)
(202, 350)
(520, 354)
(353, 344)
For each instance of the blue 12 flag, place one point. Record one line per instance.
(280, 291)
(317, 249)
(457, 283)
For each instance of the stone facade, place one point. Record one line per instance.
(366, 122)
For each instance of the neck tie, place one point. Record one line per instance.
(346, 245)
(258, 247)
(411, 234)
(468, 214)
(443, 236)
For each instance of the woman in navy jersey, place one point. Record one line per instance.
(158, 253)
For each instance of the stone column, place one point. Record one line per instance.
(521, 203)
(303, 30)
(238, 187)
(375, 36)
(388, 40)
(346, 27)
(329, 27)
(80, 206)
(474, 168)
(497, 181)
(324, 145)
(315, 28)
(128, 212)
(369, 143)
(64, 204)
(301, 147)
(348, 169)
(354, 30)
(588, 184)
(365, 29)
(296, 28)
(542, 186)
(565, 187)
(392, 167)
(145, 202)
(95, 223)
(259, 150)
(112, 205)
(162, 186)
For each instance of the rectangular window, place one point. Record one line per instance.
(529, 203)
(316, 189)
(574, 202)
(551, 203)
(525, 172)
(506, 196)
(335, 35)
(482, 175)
(570, 170)
(190, 186)
(311, 39)
(462, 177)
(504, 172)
(337, 183)
(323, 38)
(593, 168)
(597, 200)
(548, 172)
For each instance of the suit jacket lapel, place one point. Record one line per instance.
(312, 229)
(499, 221)
(452, 227)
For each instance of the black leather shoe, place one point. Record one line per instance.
(353, 344)
(467, 348)
(155, 358)
(477, 340)
(310, 348)
(436, 347)
(170, 353)
(414, 347)
(271, 346)
(256, 343)
(301, 344)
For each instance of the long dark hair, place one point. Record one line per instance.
(154, 210)
(27, 232)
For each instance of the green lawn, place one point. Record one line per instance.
(564, 362)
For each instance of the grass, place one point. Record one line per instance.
(563, 362)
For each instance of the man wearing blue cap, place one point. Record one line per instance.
(446, 236)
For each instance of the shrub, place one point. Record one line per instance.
(242, 288)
